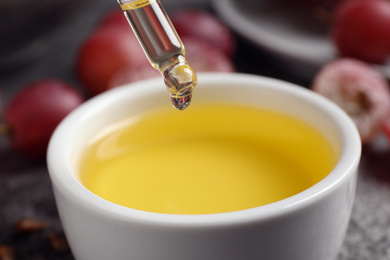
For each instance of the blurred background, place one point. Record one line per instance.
(43, 39)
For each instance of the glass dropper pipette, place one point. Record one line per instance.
(162, 47)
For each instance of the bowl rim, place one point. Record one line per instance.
(65, 183)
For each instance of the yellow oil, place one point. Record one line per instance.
(213, 158)
(163, 48)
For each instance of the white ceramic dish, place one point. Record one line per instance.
(300, 43)
(309, 225)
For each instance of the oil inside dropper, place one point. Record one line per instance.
(163, 48)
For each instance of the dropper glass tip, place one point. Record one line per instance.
(181, 103)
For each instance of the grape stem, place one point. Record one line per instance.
(4, 129)
(321, 14)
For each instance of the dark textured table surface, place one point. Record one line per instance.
(25, 189)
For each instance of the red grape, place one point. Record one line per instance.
(386, 127)
(132, 74)
(105, 52)
(204, 57)
(361, 29)
(34, 112)
(358, 89)
(205, 26)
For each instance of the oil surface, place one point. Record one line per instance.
(226, 158)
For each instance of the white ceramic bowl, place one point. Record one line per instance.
(309, 225)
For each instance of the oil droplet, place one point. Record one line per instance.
(181, 103)
(180, 79)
